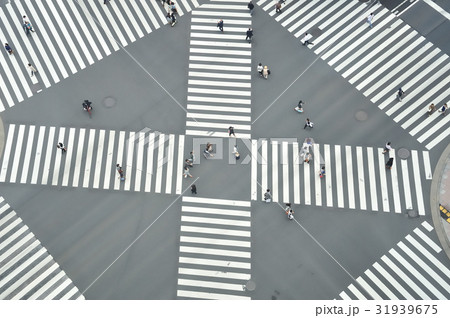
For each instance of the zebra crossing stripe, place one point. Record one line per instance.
(44, 288)
(139, 161)
(215, 274)
(317, 181)
(149, 174)
(77, 169)
(99, 159)
(369, 289)
(120, 149)
(427, 240)
(274, 171)
(131, 18)
(203, 240)
(7, 151)
(58, 158)
(428, 255)
(48, 155)
(314, 8)
(349, 166)
(328, 178)
(16, 160)
(70, 147)
(35, 282)
(108, 166)
(418, 182)
(89, 154)
(356, 292)
(264, 176)
(380, 284)
(209, 230)
(296, 172)
(383, 181)
(285, 165)
(170, 157)
(215, 211)
(129, 158)
(179, 166)
(208, 295)
(306, 175)
(159, 164)
(344, 296)
(406, 187)
(339, 182)
(392, 281)
(395, 189)
(27, 159)
(254, 171)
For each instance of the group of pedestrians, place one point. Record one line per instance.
(171, 9)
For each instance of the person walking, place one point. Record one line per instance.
(370, 19)
(231, 131)
(251, 6)
(400, 94)
(308, 123)
(307, 157)
(207, 153)
(431, 109)
(188, 163)
(299, 107)
(260, 68)
(306, 38)
(8, 49)
(387, 147)
(61, 146)
(192, 157)
(220, 25)
(249, 35)
(120, 172)
(278, 7)
(173, 18)
(267, 196)
(32, 69)
(389, 163)
(193, 189)
(235, 152)
(266, 72)
(443, 109)
(322, 172)
(186, 172)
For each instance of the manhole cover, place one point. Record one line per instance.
(109, 101)
(413, 214)
(403, 153)
(361, 115)
(250, 285)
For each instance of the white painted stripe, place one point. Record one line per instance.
(37, 156)
(368, 289)
(417, 275)
(383, 181)
(179, 166)
(380, 285)
(216, 201)
(170, 159)
(28, 147)
(317, 167)
(285, 165)
(131, 18)
(220, 67)
(15, 235)
(230, 222)
(5, 218)
(58, 290)
(139, 161)
(222, 117)
(11, 78)
(356, 292)
(316, 21)
(11, 226)
(195, 90)
(214, 211)
(307, 180)
(426, 225)
(99, 159)
(218, 231)
(57, 164)
(212, 251)
(427, 254)
(418, 182)
(274, 170)
(31, 285)
(435, 128)
(328, 176)
(215, 134)
(217, 36)
(406, 185)
(405, 278)
(215, 274)
(424, 266)
(296, 172)
(221, 14)
(16, 160)
(311, 8)
(392, 281)
(7, 151)
(149, 173)
(438, 139)
(48, 156)
(204, 295)
(220, 44)
(418, 108)
(286, 12)
(114, 24)
(228, 21)
(186, 6)
(204, 240)
(69, 294)
(213, 262)
(77, 169)
(70, 151)
(349, 167)
(157, 10)
(264, 167)
(372, 179)
(109, 155)
(89, 154)
(98, 18)
(395, 189)
(213, 28)
(6, 93)
(438, 8)
(220, 75)
(160, 164)
(254, 171)
(219, 51)
(427, 240)
(339, 181)
(47, 286)
(141, 16)
(344, 296)
(220, 83)
(208, 284)
(129, 163)
(361, 179)
(223, 6)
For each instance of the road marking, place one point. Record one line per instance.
(129, 163)
(306, 176)
(160, 163)
(428, 255)
(350, 187)
(121, 146)
(215, 274)
(296, 172)
(220, 75)
(109, 155)
(274, 170)
(372, 179)
(406, 188)
(179, 167)
(219, 83)
(209, 241)
(213, 251)
(264, 167)
(368, 289)
(57, 164)
(285, 165)
(37, 157)
(356, 292)
(206, 284)
(7, 151)
(216, 201)
(29, 147)
(70, 151)
(222, 117)
(427, 240)
(16, 160)
(317, 167)
(99, 159)
(383, 181)
(339, 181)
(48, 155)
(328, 175)
(344, 296)
(395, 189)
(418, 182)
(202, 295)
(380, 285)
(89, 154)
(438, 8)
(392, 281)
(218, 231)
(170, 157)
(214, 211)
(149, 174)
(195, 219)
(361, 180)
(254, 171)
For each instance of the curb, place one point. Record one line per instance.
(434, 202)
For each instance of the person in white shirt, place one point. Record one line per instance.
(370, 19)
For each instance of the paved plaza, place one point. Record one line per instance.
(74, 225)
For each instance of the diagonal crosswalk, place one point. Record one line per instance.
(27, 270)
(378, 60)
(219, 86)
(70, 36)
(355, 177)
(411, 270)
(215, 249)
(151, 161)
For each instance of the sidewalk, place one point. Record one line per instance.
(440, 193)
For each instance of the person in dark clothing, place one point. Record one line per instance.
(249, 35)
(389, 163)
(193, 189)
(251, 6)
(220, 25)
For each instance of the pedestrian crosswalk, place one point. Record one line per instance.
(411, 270)
(69, 36)
(27, 270)
(151, 161)
(377, 60)
(355, 177)
(219, 86)
(215, 249)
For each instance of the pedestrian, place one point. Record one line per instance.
(24, 19)
(267, 196)
(389, 163)
(443, 109)
(299, 107)
(400, 94)
(209, 147)
(168, 18)
(173, 18)
(370, 19)
(387, 147)
(231, 131)
(431, 109)
(308, 123)
(220, 25)
(307, 157)
(120, 171)
(322, 172)
(249, 35)
(173, 7)
(207, 152)
(106, 1)
(61, 146)
(237, 156)
(250, 6)
(8, 49)
(306, 38)
(32, 69)
(260, 69)
(188, 163)
(192, 157)
(266, 72)
(27, 25)
(278, 7)
(186, 172)
(290, 214)
(193, 189)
